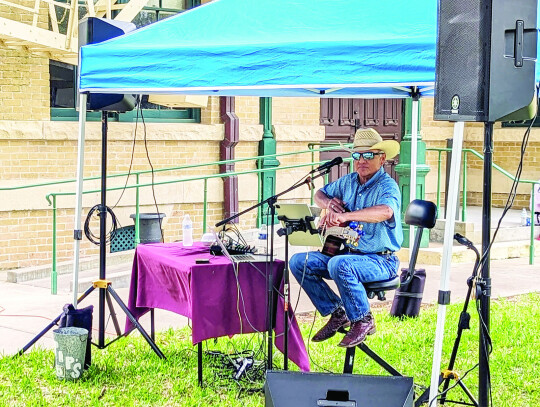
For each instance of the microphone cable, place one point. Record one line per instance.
(487, 346)
(153, 174)
(88, 232)
(137, 104)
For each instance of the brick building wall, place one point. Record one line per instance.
(506, 153)
(46, 152)
(247, 109)
(18, 14)
(296, 111)
(210, 114)
(24, 83)
(35, 150)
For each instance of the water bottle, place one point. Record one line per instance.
(187, 231)
(524, 217)
(262, 239)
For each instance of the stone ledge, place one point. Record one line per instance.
(460, 254)
(57, 130)
(65, 267)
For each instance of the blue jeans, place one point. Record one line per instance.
(348, 271)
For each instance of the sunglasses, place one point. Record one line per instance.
(368, 155)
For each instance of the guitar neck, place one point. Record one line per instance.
(334, 230)
(343, 231)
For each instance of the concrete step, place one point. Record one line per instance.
(119, 275)
(65, 267)
(118, 269)
(432, 255)
(517, 246)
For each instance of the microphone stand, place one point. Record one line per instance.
(271, 202)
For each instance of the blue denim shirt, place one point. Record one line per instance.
(381, 189)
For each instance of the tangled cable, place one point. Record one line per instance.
(88, 233)
(241, 368)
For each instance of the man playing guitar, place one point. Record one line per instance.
(372, 198)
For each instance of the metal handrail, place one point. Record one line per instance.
(53, 196)
(182, 167)
(440, 150)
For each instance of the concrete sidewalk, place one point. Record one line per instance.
(25, 310)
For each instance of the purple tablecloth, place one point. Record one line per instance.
(165, 276)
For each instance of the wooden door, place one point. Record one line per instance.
(342, 117)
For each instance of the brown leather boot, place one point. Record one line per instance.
(358, 332)
(337, 320)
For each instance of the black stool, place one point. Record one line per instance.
(422, 214)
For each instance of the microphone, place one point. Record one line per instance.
(462, 240)
(328, 164)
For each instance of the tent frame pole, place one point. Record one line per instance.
(444, 292)
(77, 231)
(485, 280)
(414, 161)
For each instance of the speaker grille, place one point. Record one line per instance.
(462, 68)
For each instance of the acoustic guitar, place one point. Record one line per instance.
(336, 236)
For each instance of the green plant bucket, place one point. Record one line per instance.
(70, 350)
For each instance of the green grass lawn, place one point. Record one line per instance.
(128, 373)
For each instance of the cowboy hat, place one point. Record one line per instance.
(369, 139)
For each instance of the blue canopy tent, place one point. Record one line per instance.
(302, 48)
(273, 48)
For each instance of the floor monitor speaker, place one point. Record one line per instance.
(297, 389)
(93, 30)
(486, 58)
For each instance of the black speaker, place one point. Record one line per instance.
(297, 389)
(486, 57)
(91, 31)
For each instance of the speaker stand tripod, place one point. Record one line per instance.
(104, 286)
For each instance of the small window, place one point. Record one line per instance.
(62, 79)
(156, 10)
(522, 123)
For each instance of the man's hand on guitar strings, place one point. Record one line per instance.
(336, 205)
(334, 219)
